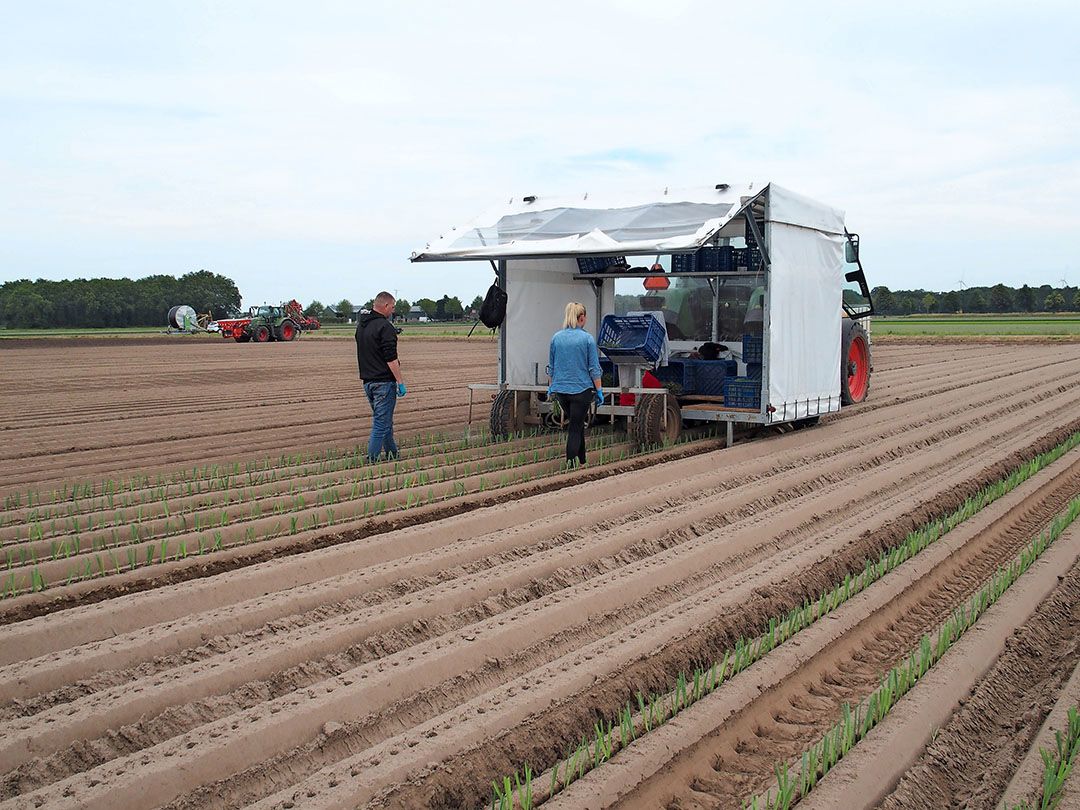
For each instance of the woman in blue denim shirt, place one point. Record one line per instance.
(574, 368)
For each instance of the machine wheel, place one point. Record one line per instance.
(506, 419)
(287, 331)
(855, 364)
(648, 428)
(244, 338)
(262, 334)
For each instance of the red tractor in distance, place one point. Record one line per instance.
(267, 323)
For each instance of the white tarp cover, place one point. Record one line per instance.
(805, 240)
(626, 223)
(538, 291)
(805, 289)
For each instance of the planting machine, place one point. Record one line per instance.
(267, 323)
(751, 307)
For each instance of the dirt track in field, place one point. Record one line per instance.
(93, 409)
(411, 667)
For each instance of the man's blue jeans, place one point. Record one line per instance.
(382, 396)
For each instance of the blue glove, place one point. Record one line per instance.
(402, 390)
(599, 397)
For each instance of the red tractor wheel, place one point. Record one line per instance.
(855, 364)
(288, 331)
(262, 334)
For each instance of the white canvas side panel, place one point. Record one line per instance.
(538, 291)
(805, 288)
(795, 209)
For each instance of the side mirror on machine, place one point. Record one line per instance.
(851, 251)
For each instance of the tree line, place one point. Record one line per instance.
(998, 298)
(114, 302)
(447, 308)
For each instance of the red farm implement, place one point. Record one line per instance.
(267, 323)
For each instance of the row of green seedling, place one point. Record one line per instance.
(365, 482)
(221, 478)
(122, 530)
(35, 579)
(1057, 765)
(325, 460)
(855, 724)
(657, 708)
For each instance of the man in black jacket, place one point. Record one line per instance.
(380, 370)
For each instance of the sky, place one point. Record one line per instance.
(306, 149)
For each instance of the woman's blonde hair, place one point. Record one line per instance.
(574, 310)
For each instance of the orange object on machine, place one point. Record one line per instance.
(648, 380)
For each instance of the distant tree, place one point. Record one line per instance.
(428, 306)
(950, 302)
(1055, 302)
(1000, 298)
(368, 305)
(401, 307)
(883, 300)
(929, 302)
(314, 309)
(477, 303)
(344, 310)
(1076, 302)
(107, 302)
(447, 308)
(975, 301)
(1025, 300)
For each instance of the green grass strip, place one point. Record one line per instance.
(854, 724)
(658, 708)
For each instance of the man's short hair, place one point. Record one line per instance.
(383, 298)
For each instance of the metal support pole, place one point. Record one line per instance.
(598, 291)
(468, 426)
(502, 327)
(730, 433)
(714, 285)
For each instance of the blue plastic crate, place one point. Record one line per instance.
(680, 372)
(719, 259)
(753, 370)
(742, 392)
(599, 264)
(640, 336)
(747, 258)
(684, 262)
(752, 350)
(709, 376)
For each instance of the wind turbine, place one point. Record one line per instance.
(960, 295)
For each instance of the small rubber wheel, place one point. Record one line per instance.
(508, 412)
(855, 364)
(650, 428)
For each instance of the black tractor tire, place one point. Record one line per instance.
(261, 333)
(506, 419)
(855, 363)
(648, 428)
(244, 338)
(288, 331)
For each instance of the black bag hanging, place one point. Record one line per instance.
(493, 310)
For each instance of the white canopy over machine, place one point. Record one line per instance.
(538, 239)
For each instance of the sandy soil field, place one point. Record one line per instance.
(101, 408)
(210, 601)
